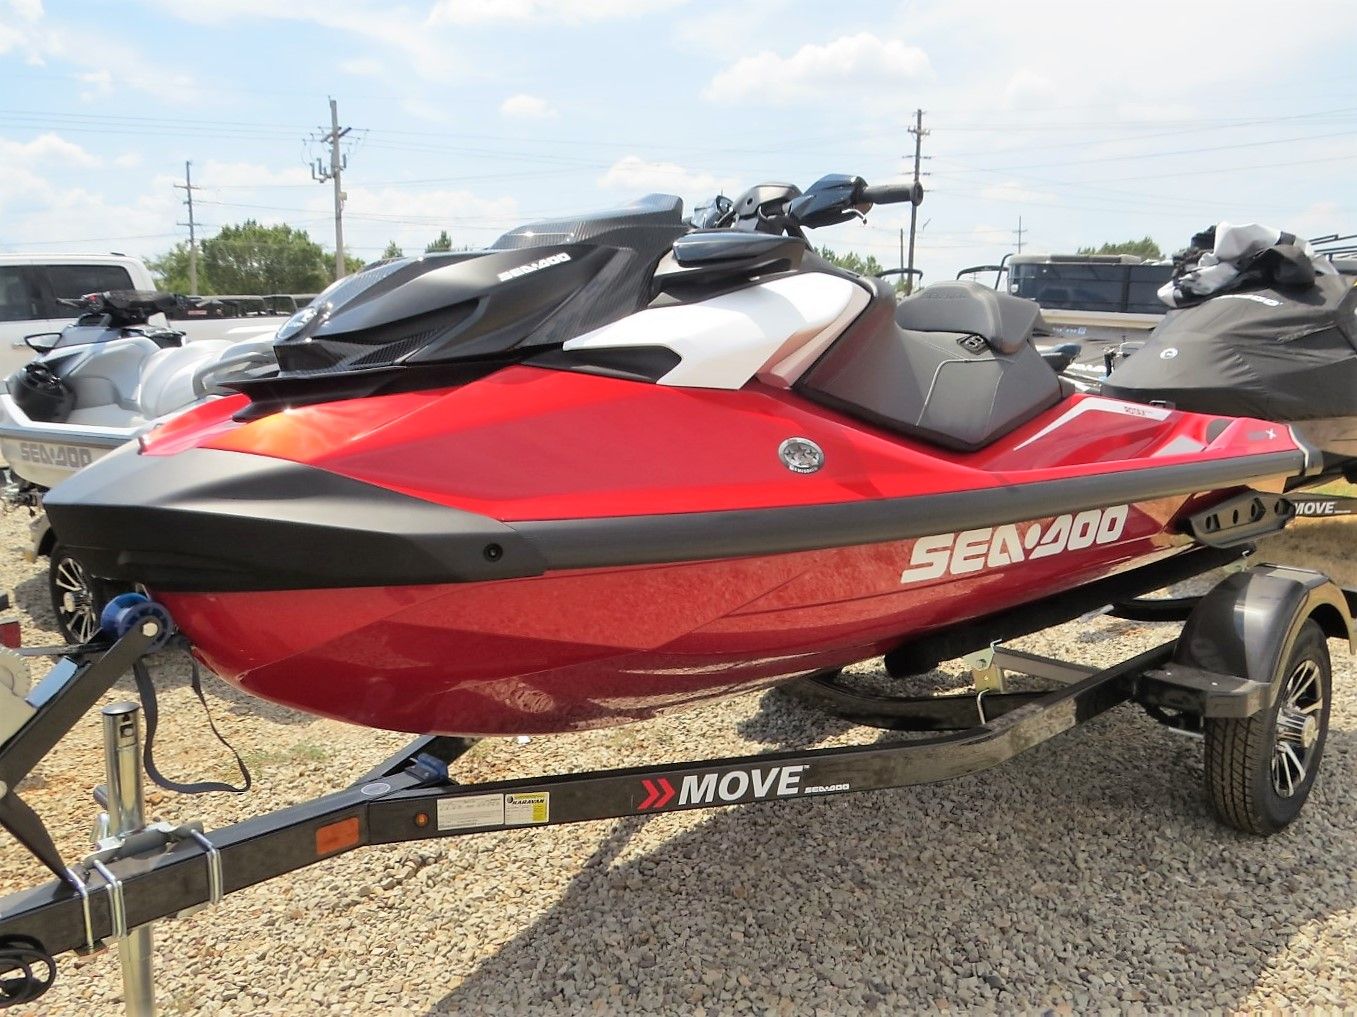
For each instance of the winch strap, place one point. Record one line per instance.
(146, 689)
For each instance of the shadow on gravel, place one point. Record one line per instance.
(1087, 872)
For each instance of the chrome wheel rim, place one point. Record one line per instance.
(1298, 729)
(76, 609)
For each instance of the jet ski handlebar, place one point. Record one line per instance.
(888, 194)
(785, 208)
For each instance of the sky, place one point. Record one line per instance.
(1087, 122)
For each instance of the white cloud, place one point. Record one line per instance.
(133, 71)
(427, 54)
(862, 63)
(1014, 193)
(412, 218)
(527, 107)
(100, 84)
(472, 12)
(991, 236)
(38, 212)
(22, 31)
(213, 173)
(1027, 88)
(128, 160)
(636, 175)
(366, 67)
(49, 149)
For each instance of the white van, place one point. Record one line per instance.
(32, 285)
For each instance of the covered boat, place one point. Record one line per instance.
(1263, 327)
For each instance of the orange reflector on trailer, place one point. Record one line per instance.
(338, 836)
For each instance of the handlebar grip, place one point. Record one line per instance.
(887, 194)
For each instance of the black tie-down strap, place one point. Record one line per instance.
(146, 689)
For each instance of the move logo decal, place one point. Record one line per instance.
(659, 793)
(753, 784)
(993, 547)
(534, 266)
(1311, 506)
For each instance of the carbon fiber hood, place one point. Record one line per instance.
(535, 287)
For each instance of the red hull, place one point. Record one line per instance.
(572, 651)
(590, 647)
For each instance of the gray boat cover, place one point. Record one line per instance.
(1279, 353)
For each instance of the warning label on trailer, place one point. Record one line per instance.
(470, 812)
(526, 809)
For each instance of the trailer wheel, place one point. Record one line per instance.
(1259, 770)
(77, 596)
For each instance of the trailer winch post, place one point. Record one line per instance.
(126, 816)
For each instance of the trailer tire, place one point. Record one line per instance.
(1260, 769)
(78, 598)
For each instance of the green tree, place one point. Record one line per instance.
(1143, 248)
(250, 258)
(351, 264)
(443, 243)
(171, 271)
(862, 266)
(393, 250)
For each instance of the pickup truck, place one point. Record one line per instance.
(32, 286)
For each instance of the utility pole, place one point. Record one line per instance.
(320, 173)
(188, 189)
(918, 131)
(1019, 232)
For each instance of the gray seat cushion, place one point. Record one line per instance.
(1003, 321)
(943, 386)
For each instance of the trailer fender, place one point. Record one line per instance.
(1249, 621)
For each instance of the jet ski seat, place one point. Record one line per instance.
(167, 380)
(1004, 322)
(104, 375)
(953, 365)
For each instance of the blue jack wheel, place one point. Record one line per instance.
(127, 611)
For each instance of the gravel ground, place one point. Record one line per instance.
(1086, 874)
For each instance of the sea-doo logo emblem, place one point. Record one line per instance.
(67, 457)
(801, 455)
(1169, 353)
(992, 547)
(534, 266)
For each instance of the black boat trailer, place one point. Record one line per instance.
(1214, 678)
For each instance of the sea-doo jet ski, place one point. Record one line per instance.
(105, 378)
(618, 465)
(102, 380)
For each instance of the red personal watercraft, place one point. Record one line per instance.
(615, 466)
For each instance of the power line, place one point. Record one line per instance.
(1162, 155)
